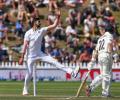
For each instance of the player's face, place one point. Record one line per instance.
(102, 31)
(38, 23)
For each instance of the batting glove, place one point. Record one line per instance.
(116, 57)
(90, 65)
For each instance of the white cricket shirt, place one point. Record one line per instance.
(35, 42)
(103, 42)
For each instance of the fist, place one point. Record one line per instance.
(91, 65)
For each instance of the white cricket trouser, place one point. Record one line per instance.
(105, 76)
(47, 59)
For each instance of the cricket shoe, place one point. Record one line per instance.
(87, 90)
(106, 96)
(25, 92)
(76, 71)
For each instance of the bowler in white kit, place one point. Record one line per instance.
(32, 48)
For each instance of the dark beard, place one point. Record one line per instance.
(38, 26)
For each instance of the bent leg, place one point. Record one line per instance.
(54, 62)
(96, 82)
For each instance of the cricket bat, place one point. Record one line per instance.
(82, 84)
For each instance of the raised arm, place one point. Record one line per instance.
(58, 14)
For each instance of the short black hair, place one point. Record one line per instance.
(36, 19)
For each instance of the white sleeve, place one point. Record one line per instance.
(44, 30)
(26, 37)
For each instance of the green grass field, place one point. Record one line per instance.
(10, 90)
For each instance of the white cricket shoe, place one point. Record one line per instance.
(25, 92)
(106, 95)
(103, 95)
(76, 71)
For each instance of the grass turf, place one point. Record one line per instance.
(11, 90)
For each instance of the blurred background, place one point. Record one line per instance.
(74, 38)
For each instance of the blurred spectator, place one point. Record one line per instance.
(100, 21)
(72, 17)
(118, 4)
(85, 57)
(75, 43)
(114, 4)
(3, 52)
(109, 21)
(19, 29)
(66, 57)
(56, 53)
(59, 32)
(22, 14)
(31, 8)
(75, 9)
(70, 29)
(87, 45)
(50, 40)
(111, 26)
(101, 6)
(2, 5)
(30, 22)
(93, 8)
(74, 57)
(89, 26)
(3, 13)
(41, 3)
(14, 8)
(86, 11)
(53, 5)
(3, 31)
(45, 2)
(14, 4)
(70, 3)
(107, 13)
(71, 33)
(51, 17)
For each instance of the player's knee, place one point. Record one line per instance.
(107, 77)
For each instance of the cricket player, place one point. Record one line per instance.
(104, 53)
(32, 48)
